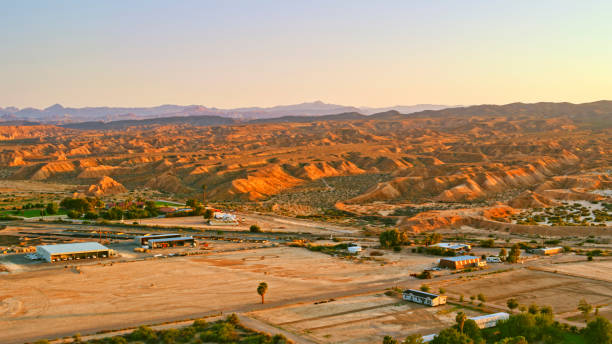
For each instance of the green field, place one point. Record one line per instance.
(28, 212)
(168, 204)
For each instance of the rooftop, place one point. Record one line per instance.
(503, 315)
(450, 245)
(159, 235)
(171, 239)
(421, 293)
(460, 258)
(73, 248)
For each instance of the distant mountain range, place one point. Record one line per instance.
(57, 114)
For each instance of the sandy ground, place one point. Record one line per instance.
(360, 319)
(62, 302)
(598, 270)
(267, 223)
(559, 291)
(26, 186)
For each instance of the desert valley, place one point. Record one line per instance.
(293, 192)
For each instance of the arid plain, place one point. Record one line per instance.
(492, 176)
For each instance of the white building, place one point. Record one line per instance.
(453, 247)
(76, 251)
(490, 320)
(423, 297)
(353, 248)
(493, 259)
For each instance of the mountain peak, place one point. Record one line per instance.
(55, 107)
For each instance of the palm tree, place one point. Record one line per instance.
(261, 290)
(460, 318)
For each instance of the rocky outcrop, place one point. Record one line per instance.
(530, 199)
(106, 186)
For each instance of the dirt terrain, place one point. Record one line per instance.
(360, 319)
(61, 301)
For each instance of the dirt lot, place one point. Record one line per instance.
(62, 302)
(598, 270)
(559, 291)
(267, 223)
(360, 319)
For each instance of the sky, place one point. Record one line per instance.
(262, 53)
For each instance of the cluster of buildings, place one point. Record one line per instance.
(152, 241)
(94, 250)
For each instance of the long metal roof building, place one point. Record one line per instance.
(48, 252)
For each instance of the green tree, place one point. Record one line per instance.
(432, 238)
(481, 297)
(471, 329)
(451, 336)
(513, 340)
(389, 340)
(255, 229)
(52, 208)
(208, 214)
(512, 304)
(262, 289)
(584, 307)
(233, 319)
(413, 339)
(73, 214)
(523, 324)
(392, 237)
(503, 254)
(77, 204)
(424, 287)
(192, 203)
(598, 331)
(460, 319)
(533, 309)
(515, 254)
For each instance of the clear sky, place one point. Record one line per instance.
(247, 53)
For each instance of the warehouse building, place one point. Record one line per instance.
(423, 297)
(461, 262)
(490, 320)
(76, 251)
(144, 239)
(171, 242)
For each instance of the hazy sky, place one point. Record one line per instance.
(245, 53)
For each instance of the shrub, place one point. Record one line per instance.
(255, 229)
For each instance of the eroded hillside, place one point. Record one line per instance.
(465, 158)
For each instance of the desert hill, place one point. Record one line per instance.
(466, 157)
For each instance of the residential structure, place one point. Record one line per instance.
(423, 297)
(75, 251)
(490, 320)
(461, 262)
